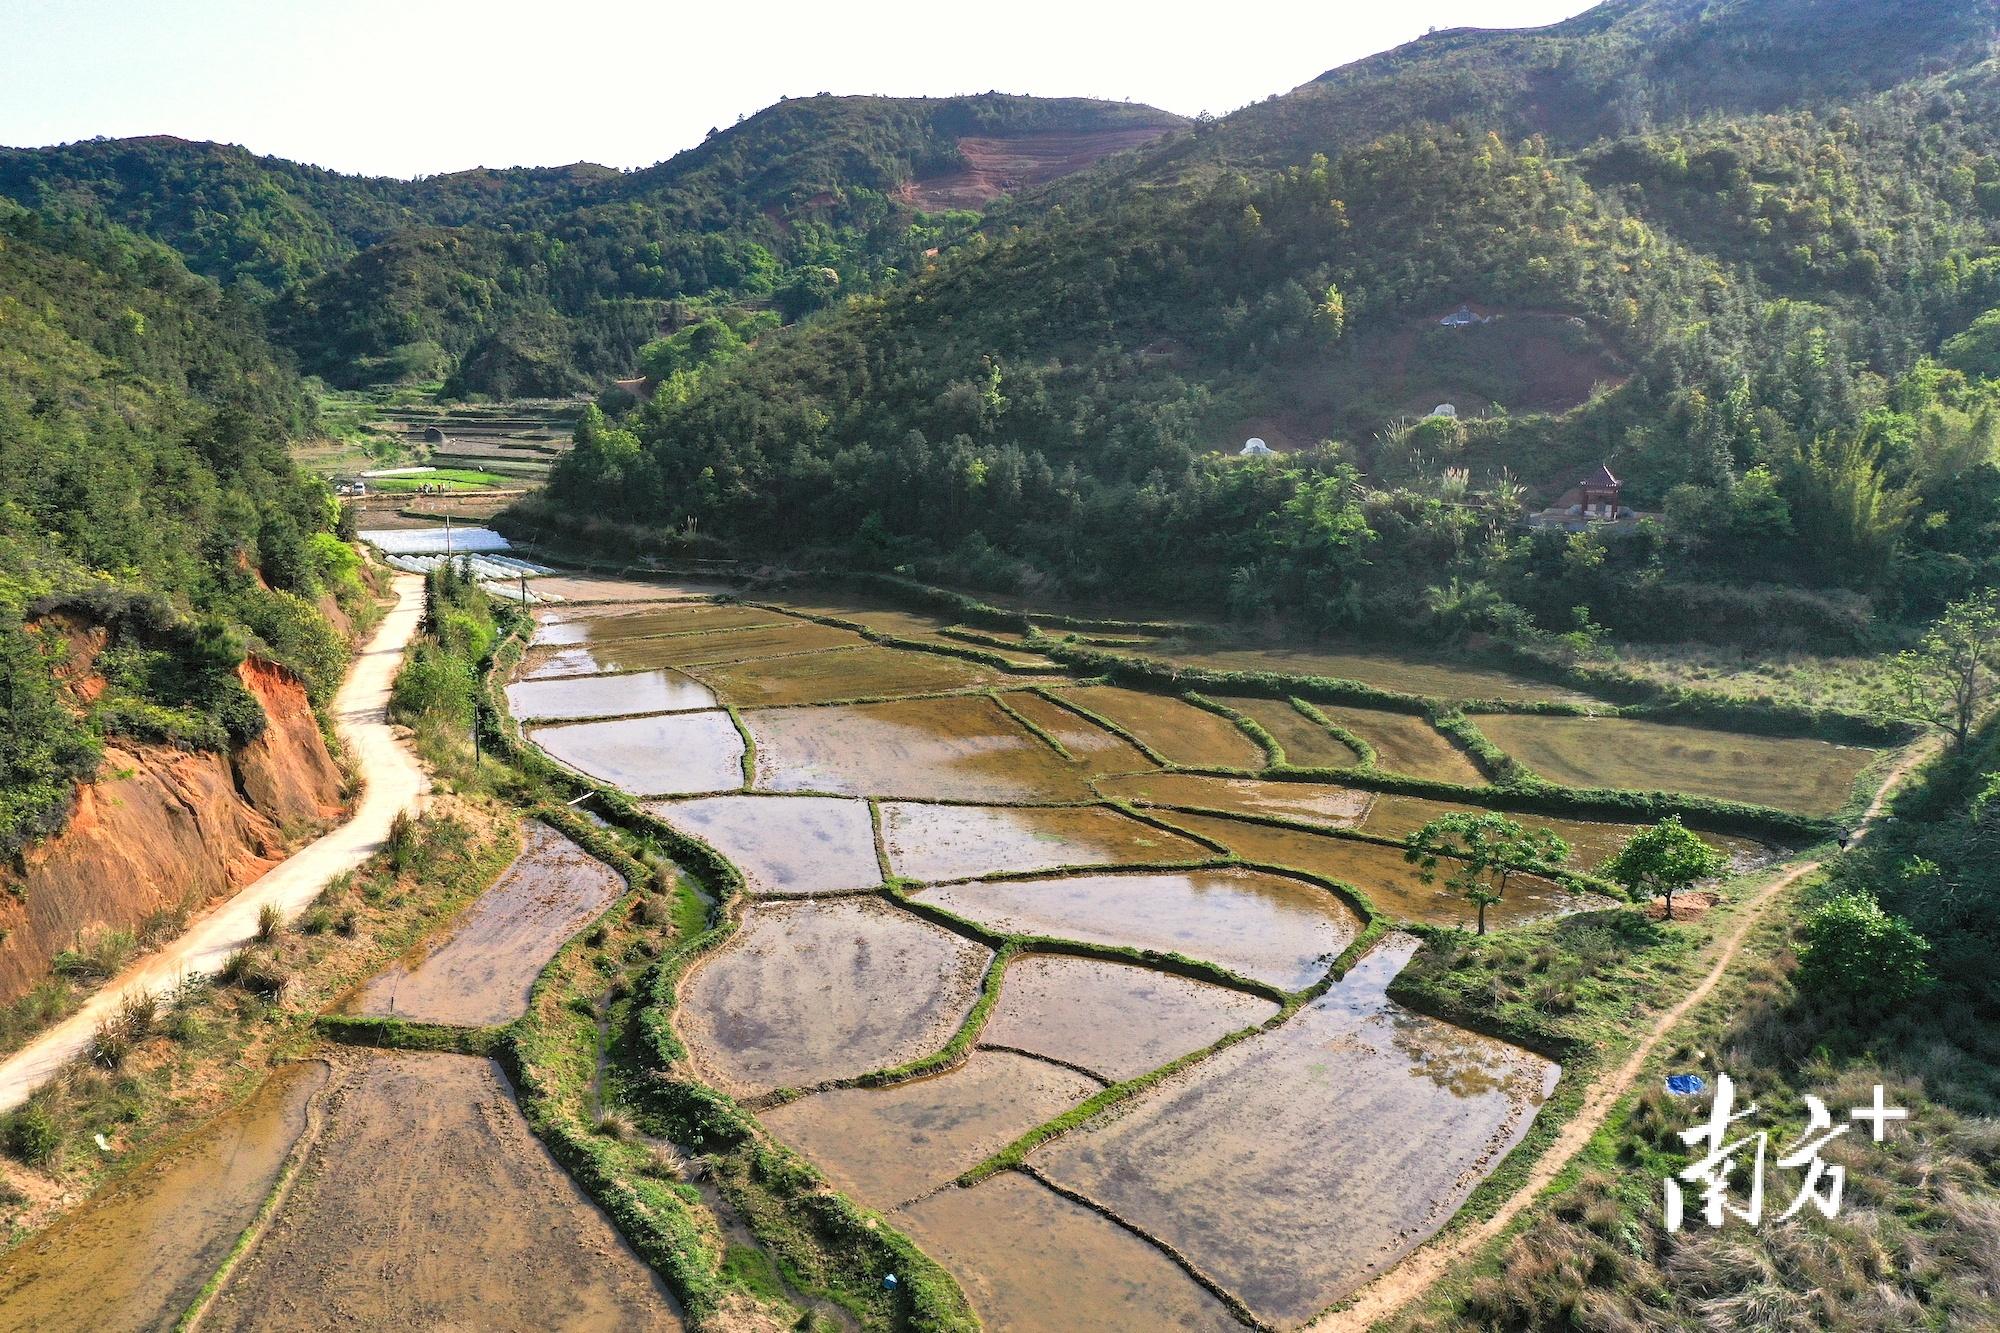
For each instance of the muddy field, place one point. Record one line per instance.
(136, 1256)
(1280, 931)
(1305, 742)
(1090, 746)
(886, 1146)
(1178, 730)
(1591, 844)
(940, 842)
(481, 971)
(1405, 743)
(672, 754)
(963, 748)
(1381, 668)
(1308, 802)
(1342, 1086)
(784, 844)
(1115, 1020)
(805, 992)
(427, 1203)
(868, 672)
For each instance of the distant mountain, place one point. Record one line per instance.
(549, 280)
(1711, 243)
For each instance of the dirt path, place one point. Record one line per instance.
(393, 782)
(1415, 1275)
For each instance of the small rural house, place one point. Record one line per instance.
(1254, 448)
(1597, 497)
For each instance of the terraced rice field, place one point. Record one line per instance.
(1406, 743)
(1173, 728)
(805, 992)
(1809, 777)
(1591, 844)
(784, 845)
(481, 971)
(1305, 742)
(1283, 1164)
(607, 696)
(1385, 670)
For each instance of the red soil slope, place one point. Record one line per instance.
(994, 167)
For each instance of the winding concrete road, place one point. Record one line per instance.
(392, 781)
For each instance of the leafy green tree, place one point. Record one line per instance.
(1855, 951)
(1481, 853)
(1664, 859)
(1945, 681)
(1977, 350)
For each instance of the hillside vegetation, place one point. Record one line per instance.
(1780, 309)
(145, 492)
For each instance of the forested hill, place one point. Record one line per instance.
(146, 490)
(547, 281)
(1773, 325)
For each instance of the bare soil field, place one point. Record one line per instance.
(1305, 742)
(1591, 844)
(805, 992)
(1180, 731)
(481, 972)
(1406, 743)
(870, 672)
(1309, 802)
(997, 166)
(1378, 667)
(427, 1203)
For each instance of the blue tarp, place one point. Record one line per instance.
(1685, 1085)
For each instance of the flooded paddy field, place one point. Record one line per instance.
(587, 624)
(1382, 668)
(784, 844)
(1810, 777)
(886, 1146)
(480, 973)
(428, 1203)
(671, 754)
(1031, 1261)
(868, 672)
(1308, 802)
(1342, 1085)
(806, 991)
(1305, 742)
(607, 696)
(1406, 743)
(940, 842)
(136, 1256)
(1090, 746)
(743, 643)
(1391, 884)
(1591, 843)
(1279, 931)
(963, 748)
(1175, 728)
(1114, 1019)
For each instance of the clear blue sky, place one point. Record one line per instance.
(414, 87)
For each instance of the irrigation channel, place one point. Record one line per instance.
(1084, 988)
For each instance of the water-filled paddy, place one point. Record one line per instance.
(607, 696)
(806, 991)
(1031, 1261)
(1113, 1019)
(885, 1146)
(1279, 931)
(1175, 728)
(1406, 743)
(1305, 742)
(669, 755)
(590, 624)
(1392, 884)
(1312, 802)
(1091, 746)
(869, 672)
(1808, 776)
(137, 1256)
(937, 842)
(1386, 1121)
(962, 748)
(482, 971)
(428, 1203)
(745, 644)
(784, 844)
(1382, 668)
(1591, 844)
